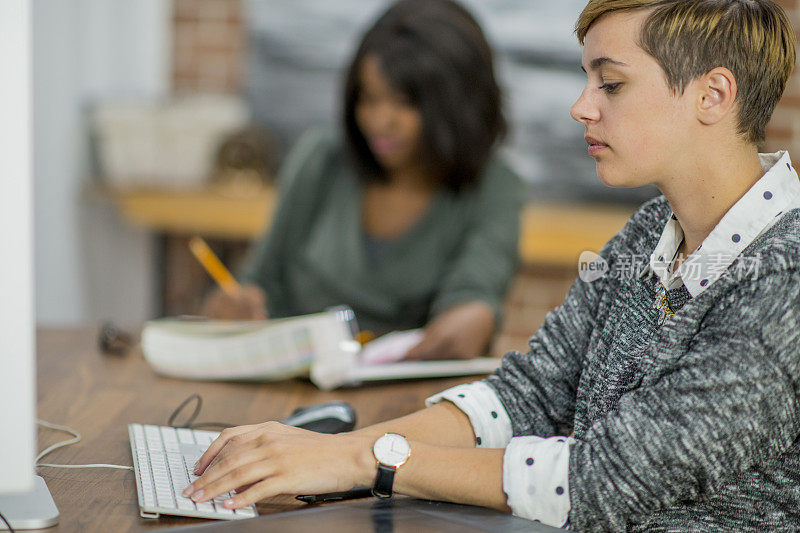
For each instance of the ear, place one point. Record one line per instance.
(716, 95)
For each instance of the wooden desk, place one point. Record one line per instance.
(99, 395)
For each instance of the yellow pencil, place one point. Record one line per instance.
(214, 266)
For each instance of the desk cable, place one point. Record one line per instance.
(8, 525)
(77, 436)
(190, 422)
(76, 439)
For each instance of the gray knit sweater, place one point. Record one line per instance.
(691, 426)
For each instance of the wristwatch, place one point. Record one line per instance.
(391, 451)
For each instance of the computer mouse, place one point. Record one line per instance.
(330, 417)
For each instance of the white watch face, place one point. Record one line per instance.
(392, 450)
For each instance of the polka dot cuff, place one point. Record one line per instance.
(486, 413)
(536, 480)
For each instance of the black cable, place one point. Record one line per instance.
(3, 518)
(189, 422)
(176, 412)
(200, 425)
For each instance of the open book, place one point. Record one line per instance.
(320, 346)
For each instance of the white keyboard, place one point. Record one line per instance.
(163, 459)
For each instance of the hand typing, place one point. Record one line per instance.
(265, 460)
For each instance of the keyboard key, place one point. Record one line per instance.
(205, 507)
(185, 436)
(168, 434)
(164, 495)
(184, 503)
(175, 461)
(170, 440)
(179, 478)
(154, 442)
(153, 436)
(138, 436)
(205, 437)
(245, 511)
(149, 499)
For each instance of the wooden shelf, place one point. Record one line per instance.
(556, 234)
(214, 213)
(552, 234)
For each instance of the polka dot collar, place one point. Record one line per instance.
(777, 192)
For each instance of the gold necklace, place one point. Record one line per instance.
(662, 304)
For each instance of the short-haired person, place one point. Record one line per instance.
(409, 217)
(661, 398)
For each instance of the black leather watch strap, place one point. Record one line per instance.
(384, 481)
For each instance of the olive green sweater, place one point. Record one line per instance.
(316, 253)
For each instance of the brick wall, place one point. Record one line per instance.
(783, 130)
(208, 46)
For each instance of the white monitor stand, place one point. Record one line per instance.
(34, 509)
(24, 499)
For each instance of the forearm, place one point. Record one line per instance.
(470, 476)
(442, 424)
(444, 463)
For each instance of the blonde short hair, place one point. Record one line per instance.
(688, 38)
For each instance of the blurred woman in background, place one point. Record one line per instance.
(408, 217)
